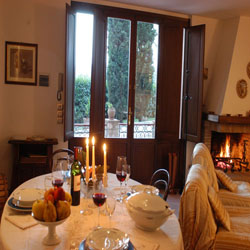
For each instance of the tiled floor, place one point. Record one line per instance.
(174, 202)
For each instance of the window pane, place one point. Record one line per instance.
(117, 78)
(83, 65)
(146, 80)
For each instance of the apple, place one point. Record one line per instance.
(48, 192)
(59, 194)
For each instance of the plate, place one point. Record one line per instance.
(16, 208)
(18, 204)
(139, 188)
(83, 247)
(107, 238)
(26, 197)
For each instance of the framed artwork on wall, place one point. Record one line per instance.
(241, 88)
(20, 63)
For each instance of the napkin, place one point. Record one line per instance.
(141, 244)
(21, 221)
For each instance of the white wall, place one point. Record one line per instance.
(222, 67)
(226, 57)
(31, 110)
(240, 58)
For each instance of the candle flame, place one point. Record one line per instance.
(87, 141)
(93, 141)
(104, 147)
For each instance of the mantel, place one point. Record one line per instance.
(227, 119)
(226, 123)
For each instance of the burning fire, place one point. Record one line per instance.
(225, 151)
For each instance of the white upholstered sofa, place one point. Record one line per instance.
(240, 196)
(208, 217)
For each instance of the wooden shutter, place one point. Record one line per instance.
(193, 83)
(69, 75)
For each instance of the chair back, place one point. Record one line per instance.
(161, 180)
(60, 154)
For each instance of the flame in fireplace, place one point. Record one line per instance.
(225, 150)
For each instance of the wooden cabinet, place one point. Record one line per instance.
(31, 158)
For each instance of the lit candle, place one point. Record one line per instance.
(93, 158)
(87, 161)
(105, 160)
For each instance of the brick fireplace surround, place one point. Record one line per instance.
(223, 124)
(226, 124)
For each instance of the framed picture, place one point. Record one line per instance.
(20, 63)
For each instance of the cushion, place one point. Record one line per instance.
(201, 155)
(238, 237)
(221, 214)
(226, 180)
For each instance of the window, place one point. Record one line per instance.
(83, 70)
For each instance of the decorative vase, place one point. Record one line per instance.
(111, 113)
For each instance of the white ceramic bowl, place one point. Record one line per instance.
(27, 196)
(107, 238)
(141, 188)
(149, 211)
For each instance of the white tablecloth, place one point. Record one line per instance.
(77, 226)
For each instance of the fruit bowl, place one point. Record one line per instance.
(51, 238)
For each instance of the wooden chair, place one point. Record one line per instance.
(61, 154)
(161, 180)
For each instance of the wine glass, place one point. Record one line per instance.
(84, 202)
(58, 174)
(110, 206)
(67, 171)
(128, 170)
(121, 172)
(99, 196)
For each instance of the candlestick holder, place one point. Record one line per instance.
(105, 180)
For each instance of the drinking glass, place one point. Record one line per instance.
(99, 197)
(121, 172)
(84, 201)
(110, 206)
(57, 174)
(47, 182)
(128, 170)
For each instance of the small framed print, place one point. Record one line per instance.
(20, 63)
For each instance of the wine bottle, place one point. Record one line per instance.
(76, 177)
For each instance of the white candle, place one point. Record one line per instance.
(87, 161)
(105, 160)
(93, 158)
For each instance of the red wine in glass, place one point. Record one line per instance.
(121, 176)
(57, 182)
(99, 199)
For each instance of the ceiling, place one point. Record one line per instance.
(210, 8)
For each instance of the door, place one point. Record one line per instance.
(193, 83)
(131, 87)
(122, 74)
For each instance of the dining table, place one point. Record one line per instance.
(78, 226)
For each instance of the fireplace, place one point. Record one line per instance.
(231, 151)
(228, 139)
